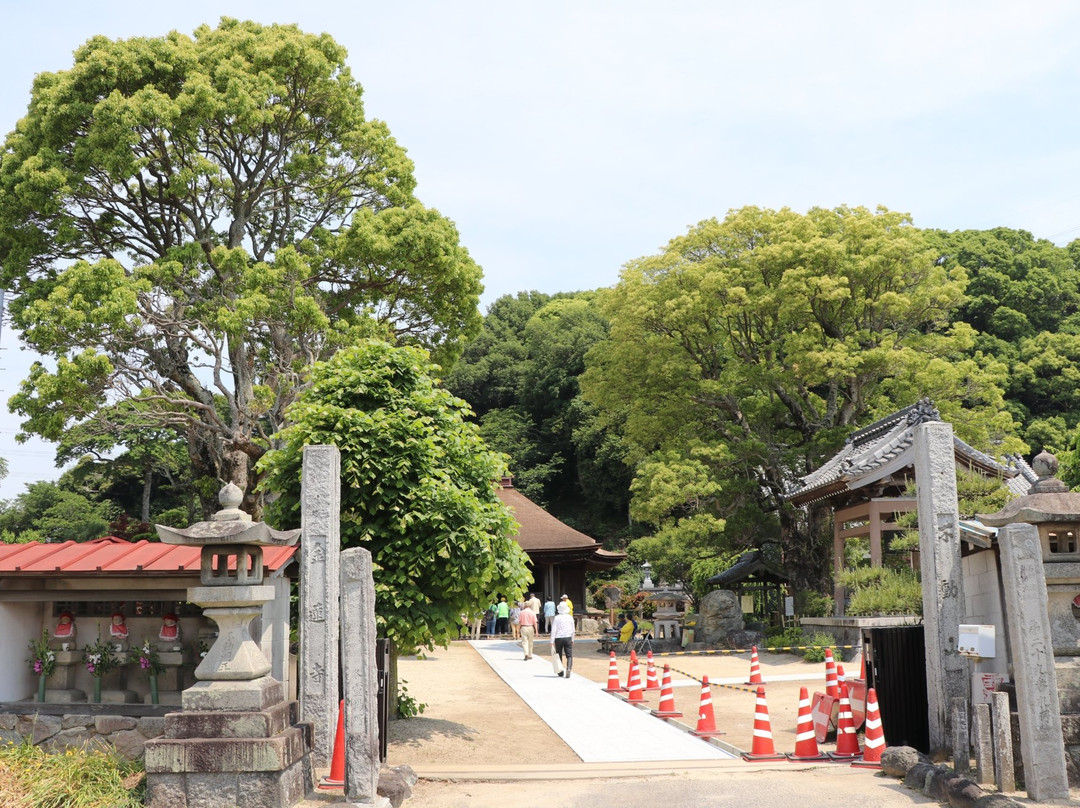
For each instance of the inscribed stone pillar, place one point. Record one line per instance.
(1042, 746)
(320, 546)
(984, 744)
(360, 678)
(942, 575)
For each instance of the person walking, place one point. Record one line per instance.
(535, 605)
(515, 612)
(527, 623)
(569, 604)
(502, 616)
(549, 615)
(562, 638)
(491, 618)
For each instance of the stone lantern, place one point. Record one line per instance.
(237, 737)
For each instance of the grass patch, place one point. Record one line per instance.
(33, 778)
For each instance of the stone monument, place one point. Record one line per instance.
(237, 743)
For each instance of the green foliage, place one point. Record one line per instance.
(882, 590)
(50, 513)
(33, 778)
(786, 640)
(417, 489)
(765, 339)
(817, 643)
(813, 604)
(176, 203)
(407, 706)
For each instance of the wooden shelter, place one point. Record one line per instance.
(559, 556)
(754, 576)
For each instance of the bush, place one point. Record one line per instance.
(33, 778)
(786, 641)
(817, 643)
(880, 590)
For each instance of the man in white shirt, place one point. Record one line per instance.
(562, 638)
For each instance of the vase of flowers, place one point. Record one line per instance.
(99, 660)
(42, 661)
(149, 662)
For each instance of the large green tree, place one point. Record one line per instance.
(197, 219)
(742, 355)
(417, 489)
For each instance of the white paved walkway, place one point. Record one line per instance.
(598, 726)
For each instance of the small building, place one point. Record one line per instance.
(144, 582)
(760, 585)
(559, 555)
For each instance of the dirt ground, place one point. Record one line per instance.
(473, 717)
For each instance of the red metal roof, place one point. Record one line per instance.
(113, 556)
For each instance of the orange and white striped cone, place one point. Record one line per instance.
(847, 743)
(840, 675)
(755, 668)
(874, 736)
(336, 778)
(613, 685)
(630, 669)
(634, 686)
(830, 675)
(706, 722)
(666, 709)
(862, 664)
(762, 748)
(806, 747)
(651, 682)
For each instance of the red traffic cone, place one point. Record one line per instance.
(840, 675)
(706, 722)
(847, 743)
(874, 736)
(755, 668)
(862, 665)
(762, 747)
(666, 709)
(830, 675)
(806, 747)
(630, 669)
(336, 778)
(634, 686)
(650, 679)
(613, 685)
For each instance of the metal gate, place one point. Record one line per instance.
(897, 672)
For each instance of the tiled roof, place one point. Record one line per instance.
(539, 529)
(877, 450)
(113, 556)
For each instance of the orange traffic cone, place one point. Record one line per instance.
(862, 665)
(650, 679)
(613, 685)
(336, 778)
(667, 698)
(830, 675)
(847, 744)
(634, 686)
(762, 747)
(706, 722)
(840, 676)
(630, 668)
(874, 737)
(755, 668)
(806, 747)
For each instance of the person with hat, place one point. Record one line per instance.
(569, 605)
(562, 640)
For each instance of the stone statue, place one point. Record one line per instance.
(64, 633)
(118, 632)
(170, 629)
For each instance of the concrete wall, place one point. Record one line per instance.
(19, 624)
(982, 604)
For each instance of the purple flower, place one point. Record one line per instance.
(144, 663)
(90, 666)
(37, 666)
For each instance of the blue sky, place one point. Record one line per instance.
(567, 138)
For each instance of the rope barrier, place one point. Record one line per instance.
(749, 650)
(743, 688)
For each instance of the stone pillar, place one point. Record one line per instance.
(942, 576)
(274, 639)
(984, 745)
(360, 678)
(1004, 773)
(961, 741)
(1042, 746)
(320, 513)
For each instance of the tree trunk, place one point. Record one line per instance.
(148, 476)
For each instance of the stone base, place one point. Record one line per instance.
(280, 789)
(65, 696)
(119, 697)
(239, 696)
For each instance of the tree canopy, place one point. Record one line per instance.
(742, 355)
(417, 488)
(195, 220)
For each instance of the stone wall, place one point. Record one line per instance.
(57, 733)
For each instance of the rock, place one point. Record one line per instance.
(129, 743)
(108, 724)
(38, 727)
(590, 625)
(10, 736)
(720, 613)
(963, 792)
(407, 772)
(896, 761)
(394, 787)
(918, 776)
(996, 801)
(744, 639)
(73, 720)
(936, 784)
(151, 726)
(7, 721)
